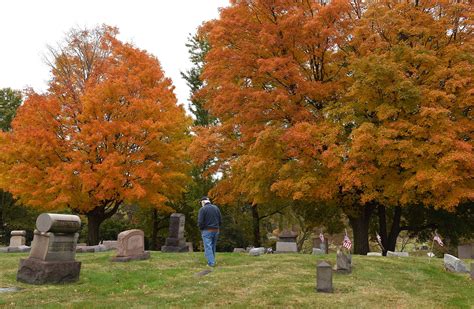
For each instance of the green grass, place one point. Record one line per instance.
(241, 281)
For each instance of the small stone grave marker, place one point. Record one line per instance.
(452, 263)
(343, 263)
(324, 278)
(131, 246)
(398, 254)
(17, 238)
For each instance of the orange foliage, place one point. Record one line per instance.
(317, 101)
(109, 130)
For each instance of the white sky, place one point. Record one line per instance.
(160, 27)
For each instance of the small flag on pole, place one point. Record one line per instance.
(438, 239)
(321, 236)
(346, 243)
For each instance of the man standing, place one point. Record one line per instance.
(209, 221)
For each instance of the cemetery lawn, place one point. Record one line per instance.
(242, 281)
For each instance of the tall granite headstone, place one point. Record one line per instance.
(131, 246)
(176, 241)
(53, 251)
(286, 242)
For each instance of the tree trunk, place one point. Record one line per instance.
(95, 218)
(154, 232)
(395, 230)
(256, 227)
(360, 227)
(93, 226)
(2, 207)
(383, 228)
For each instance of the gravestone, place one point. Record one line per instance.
(343, 263)
(317, 251)
(466, 251)
(91, 249)
(324, 277)
(53, 251)
(286, 242)
(318, 244)
(452, 263)
(374, 254)
(176, 241)
(239, 250)
(17, 238)
(257, 251)
(110, 244)
(398, 254)
(131, 246)
(190, 246)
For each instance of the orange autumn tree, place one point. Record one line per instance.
(411, 108)
(107, 132)
(272, 69)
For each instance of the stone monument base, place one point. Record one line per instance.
(184, 248)
(143, 256)
(286, 247)
(36, 271)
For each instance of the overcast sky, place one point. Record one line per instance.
(160, 27)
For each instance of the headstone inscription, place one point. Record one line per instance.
(131, 246)
(176, 241)
(286, 242)
(324, 277)
(53, 251)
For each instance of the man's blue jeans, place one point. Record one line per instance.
(210, 241)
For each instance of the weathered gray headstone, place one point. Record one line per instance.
(374, 254)
(131, 246)
(398, 254)
(287, 242)
(110, 244)
(239, 250)
(317, 243)
(92, 249)
(176, 241)
(466, 251)
(343, 263)
(452, 263)
(257, 251)
(53, 250)
(17, 238)
(324, 278)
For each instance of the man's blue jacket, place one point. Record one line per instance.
(209, 217)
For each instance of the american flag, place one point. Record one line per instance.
(346, 243)
(321, 236)
(438, 240)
